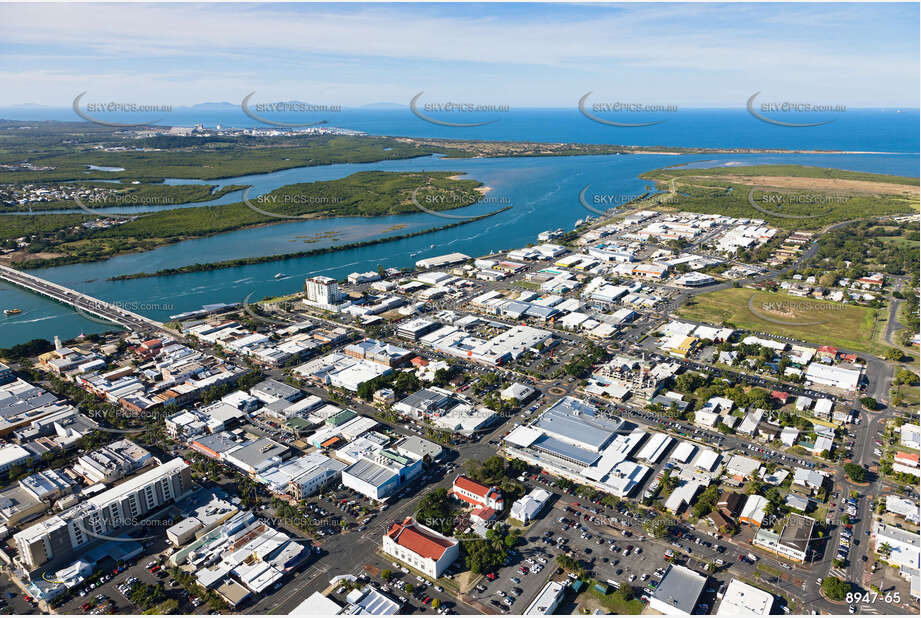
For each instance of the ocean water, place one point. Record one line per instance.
(543, 193)
(876, 130)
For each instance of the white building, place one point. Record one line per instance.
(829, 375)
(741, 599)
(323, 291)
(527, 507)
(911, 436)
(420, 547)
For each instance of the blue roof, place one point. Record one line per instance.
(566, 450)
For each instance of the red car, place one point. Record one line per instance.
(491, 577)
(426, 601)
(155, 568)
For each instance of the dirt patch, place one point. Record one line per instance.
(466, 580)
(21, 256)
(820, 184)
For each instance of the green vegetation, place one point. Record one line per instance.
(131, 195)
(437, 512)
(500, 472)
(845, 326)
(361, 194)
(855, 472)
(823, 195)
(860, 248)
(622, 601)
(205, 158)
(835, 589)
(484, 555)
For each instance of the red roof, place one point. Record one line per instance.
(483, 512)
(419, 362)
(780, 395)
(417, 540)
(472, 486)
(907, 456)
(827, 349)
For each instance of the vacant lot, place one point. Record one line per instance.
(808, 319)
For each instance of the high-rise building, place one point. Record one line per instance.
(322, 290)
(60, 537)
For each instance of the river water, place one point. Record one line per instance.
(543, 193)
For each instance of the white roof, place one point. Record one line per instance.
(317, 604)
(683, 451)
(523, 436)
(741, 599)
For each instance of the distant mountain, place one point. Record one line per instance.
(383, 106)
(212, 105)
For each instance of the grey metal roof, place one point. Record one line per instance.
(565, 450)
(259, 451)
(217, 442)
(680, 588)
(797, 531)
(370, 472)
(576, 420)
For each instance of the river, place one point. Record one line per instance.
(543, 193)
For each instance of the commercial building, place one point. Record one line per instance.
(574, 440)
(48, 485)
(511, 344)
(754, 510)
(678, 591)
(547, 600)
(257, 455)
(526, 508)
(420, 547)
(837, 377)
(341, 371)
(58, 538)
(381, 474)
(301, 477)
(243, 556)
(112, 462)
(379, 352)
(741, 599)
(442, 260)
(792, 542)
(904, 547)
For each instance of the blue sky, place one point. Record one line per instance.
(522, 55)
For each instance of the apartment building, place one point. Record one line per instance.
(61, 537)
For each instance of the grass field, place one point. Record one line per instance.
(807, 319)
(787, 196)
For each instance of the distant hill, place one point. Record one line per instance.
(383, 106)
(213, 105)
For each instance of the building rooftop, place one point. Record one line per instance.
(680, 588)
(578, 422)
(419, 539)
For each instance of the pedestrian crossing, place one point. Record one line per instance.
(838, 572)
